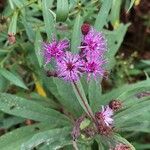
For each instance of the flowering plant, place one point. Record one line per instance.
(72, 110)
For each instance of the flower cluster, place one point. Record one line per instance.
(90, 59)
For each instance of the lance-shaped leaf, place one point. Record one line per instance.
(14, 139)
(67, 97)
(115, 13)
(55, 138)
(94, 93)
(13, 23)
(38, 47)
(28, 109)
(76, 34)
(48, 18)
(130, 114)
(123, 92)
(62, 10)
(102, 16)
(115, 39)
(16, 80)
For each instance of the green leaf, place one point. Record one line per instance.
(67, 97)
(132, 112)
(76, 34)
(28, 109)
(45, 101)
(9, 122)
(143, 126)
(82, 146)
(147, 62)
(38, 48)
(115, 39)
(19, 3)
(85, 123)
(115, 12)
(131, 4)
(13, 23)
(14, 139)
(101, 18)
(54, 138)
(48, 18)
(140, 146)
(85, 84)
(13, 78)
(99, 141)
(4, 84)
(94, 92)
(28, 28)
(11, 4)
(122, 92)
(61, 144)
(64, 93)
(62, 10)
(50, 85)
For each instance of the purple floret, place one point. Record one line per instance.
(55, 49)
(94, 43)
(94, 68)
(69, 67)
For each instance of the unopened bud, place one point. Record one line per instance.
(11, 38)
(115, 105)
(85, 28)
(51, 74)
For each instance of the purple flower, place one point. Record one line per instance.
(104, 117)
(55, 49)
(107, 113)
(69, 67)
(94, 67)
(94, 43)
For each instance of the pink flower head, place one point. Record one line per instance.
(94, 67)
(105, 116)
(94, 43)
(55, 49)
(107, 113)
(69, 67)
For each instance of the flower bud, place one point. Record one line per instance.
(11, 38)
(115, 105)
(51, 74)
(85, 28)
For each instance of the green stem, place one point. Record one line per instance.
(75, 145)
(89, 111)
